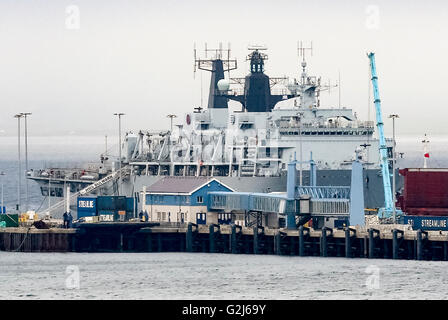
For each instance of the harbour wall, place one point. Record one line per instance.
(380, 242)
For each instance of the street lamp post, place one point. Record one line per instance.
(393, 117)
(18, 116)
(2, 210)
(25, 114)
(120, 188)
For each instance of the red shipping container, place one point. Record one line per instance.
(425, 192)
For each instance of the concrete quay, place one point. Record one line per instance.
(373, 241)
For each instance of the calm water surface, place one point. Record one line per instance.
(215, 276)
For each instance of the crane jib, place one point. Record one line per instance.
(388, 199)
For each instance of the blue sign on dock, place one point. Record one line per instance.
(86, 207)
(427, 222)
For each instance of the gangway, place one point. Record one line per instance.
(324, 201)
(87, 190)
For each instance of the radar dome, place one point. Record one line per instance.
(223, 85)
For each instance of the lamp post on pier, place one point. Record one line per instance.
(18, 116)
(2, 208)
(120, 188)
(393, 117)
(25, 114)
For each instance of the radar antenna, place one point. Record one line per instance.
(301, 50)
(217, 64)
(218, 54)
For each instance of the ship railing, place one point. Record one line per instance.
(330, 207)
(327, 192)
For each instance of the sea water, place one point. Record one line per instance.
(215, 276)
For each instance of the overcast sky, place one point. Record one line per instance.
(136, 57)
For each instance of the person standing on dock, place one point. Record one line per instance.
(65, 217)
(146, 216)
(69, 220)
(140, 215)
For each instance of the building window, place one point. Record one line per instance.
(200, 199)
(201, 218)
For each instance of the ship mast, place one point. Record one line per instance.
(425, 142)
(217, 65)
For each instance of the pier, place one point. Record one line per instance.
(25, 239)
(373, 242)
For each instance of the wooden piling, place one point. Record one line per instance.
(211, 238)
(159, 242)
(120, 242)
(445, 251)
(323, 243)
(348, 244)
(277, 243)
(189, 238)
(255, 239)
(395, 244)
(233, 244)
(371, 244)
(149, 242)
(301, 242)
(419, 245)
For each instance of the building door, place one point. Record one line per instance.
(182, 219)
(201, 218)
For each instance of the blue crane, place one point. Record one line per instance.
(389, 205)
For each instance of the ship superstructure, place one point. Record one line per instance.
(249, 148)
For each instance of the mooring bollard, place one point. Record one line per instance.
(301, 242)
(348, 244)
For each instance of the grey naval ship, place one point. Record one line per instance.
(247, 149)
